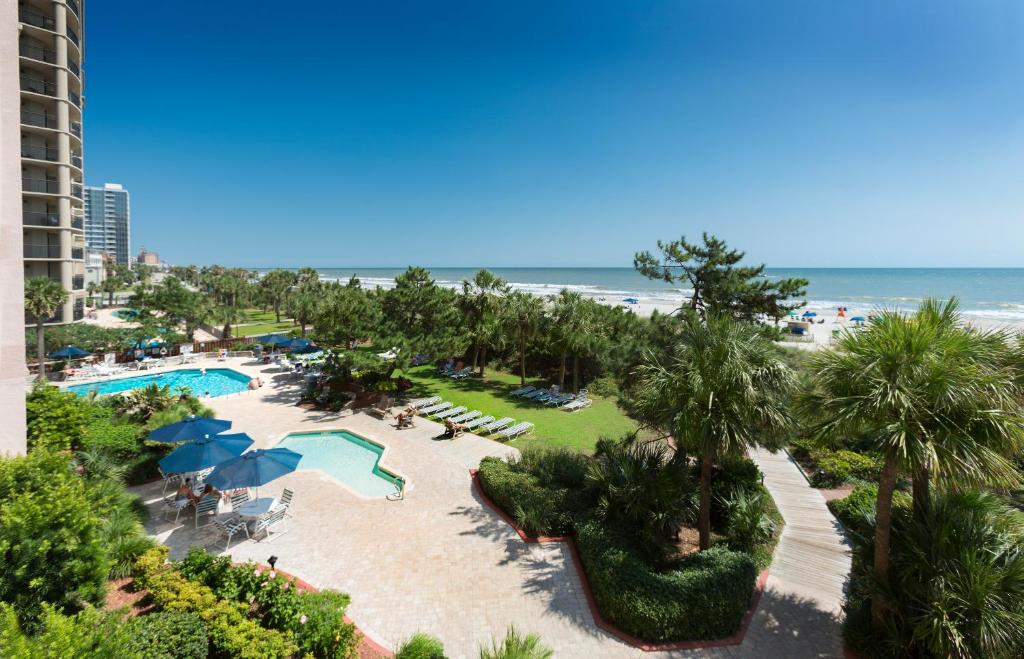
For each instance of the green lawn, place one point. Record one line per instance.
(264, 328)
(553, 426)
(260, 316)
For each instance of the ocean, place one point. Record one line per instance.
(994, 294)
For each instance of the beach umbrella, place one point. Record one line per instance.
(631, 300)
(254, 468)
(205, 452)
(296, 344)
(68, 352)
(308, 350)
(792, 313)
(858, 319)
(809, 314)
(190, 428)
(272, 339)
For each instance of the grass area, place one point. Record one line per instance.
(553, 426)
(263, 328)
(260, 316)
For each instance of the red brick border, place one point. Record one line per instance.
(599, 619)
(378, 649)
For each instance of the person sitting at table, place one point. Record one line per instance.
(208, 491)
(184, 492)
(68, 371)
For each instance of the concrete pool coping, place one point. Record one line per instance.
(385, 449)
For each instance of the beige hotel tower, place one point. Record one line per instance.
(41, 179)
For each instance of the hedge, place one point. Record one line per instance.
(539, 510)
(169, 635)
(705, 597)
(833, 468)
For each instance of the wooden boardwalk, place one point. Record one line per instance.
(799, 613)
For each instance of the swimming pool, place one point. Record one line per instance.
(346, 457)
(216, 381)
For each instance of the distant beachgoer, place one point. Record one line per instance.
(163, 351)
(451, 429)
(404, 418)
(842, 312)
(206, 395)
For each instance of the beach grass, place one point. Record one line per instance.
(553, 426)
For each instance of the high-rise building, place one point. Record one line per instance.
(50, 78)
(108, 221)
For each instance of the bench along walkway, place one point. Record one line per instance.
(799, 612)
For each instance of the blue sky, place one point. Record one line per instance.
(812, 133)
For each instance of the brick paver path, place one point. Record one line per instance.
(441, 562)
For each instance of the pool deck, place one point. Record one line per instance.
(440, 561)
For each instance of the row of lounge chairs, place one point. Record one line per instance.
(552, 396)
(473, 420)
(458, 373)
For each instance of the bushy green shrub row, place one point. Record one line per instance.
(538, 509)
(89, 633)
(833, 468)
(705, 597)
(857, 510)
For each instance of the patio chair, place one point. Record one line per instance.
(383, 407)
(522, 391)
(468, 416)
(268, 521)
(560, 400)
(479, 421)
(207, 508)
(464, 373)
(238, 499)
(577, 404)
(452, 411)
(427, 411)
(423, 402)
(497, 425)
(168, 479)
(174, 504)
(286, 500)
(231, 526)
(537, 393)
(523, 428)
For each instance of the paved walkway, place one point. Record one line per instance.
(440, 561)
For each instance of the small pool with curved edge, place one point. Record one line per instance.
(215, 382)
(346, 457)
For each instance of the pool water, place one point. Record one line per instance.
(347, 458)
(216, 381)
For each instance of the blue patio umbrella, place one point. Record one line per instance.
(192, 427)
(205, 452)
(858, 319)
(631, 300)
(809, 314)
(68, 352)
(308, 350)
(297, 344)
(272, 339)
(254, 468)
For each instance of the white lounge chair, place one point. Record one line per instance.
(464, 373)
(168, 479)
(497, 425)
(444, 414)
(231, 526)
(207, 508)
(479, 421)
(268, 521)
(174, 505)
(522, 391)
(426, 411)
(515, 431)
(423, 402)
(468, 416)
(577, 404)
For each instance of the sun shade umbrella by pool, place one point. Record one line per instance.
(272, 339)
(297, 344)
(68, 352)
(208, 451)
(254, 468)
(192, 427)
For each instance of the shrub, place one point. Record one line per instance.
(833, 468)
(325, 632)
(748, 521)
(705, 597)
(125, 540)
(517, 646)
(55, 418)
(421, 646)
(857, 510)
(50, 546)
(169, 635)
(733, 475)
(88, 634)
(539, 510)
(231, 631)
(118, 439)
(604, 386)
(554, 467)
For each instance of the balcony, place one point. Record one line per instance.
(50, 186)
(30, 17)
(74, 98)
(74, 7)
(73, 36)
(76, 129)
(38, 86)
(42, 251)
(40, 219)
(55, 318)
(77, 282)
(78, 253)
(79, 310)
(41, 119)
(77, 222)
(39, 152)
(74, 68)
(76, 190)
(37, 53)
(76, 160)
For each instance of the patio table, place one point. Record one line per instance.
(256, 507)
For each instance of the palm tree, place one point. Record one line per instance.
(43, 296)
(517, 646)
(723, 389)
(227, 316)
(479, 302)
(937, 399)
(522, 314)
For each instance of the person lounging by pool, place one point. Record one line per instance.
(404, 418)
(451, 429)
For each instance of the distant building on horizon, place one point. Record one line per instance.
(108, 221)
(148, 258)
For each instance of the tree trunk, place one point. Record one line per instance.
(575, 374)
(110, 298)
(561, 374)
(883, 527)
(483, 359)
(277, 310)
(226, 332)
(704, 518)
(41, 348)
(922, 492)
(522, 363)
(476, 354)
